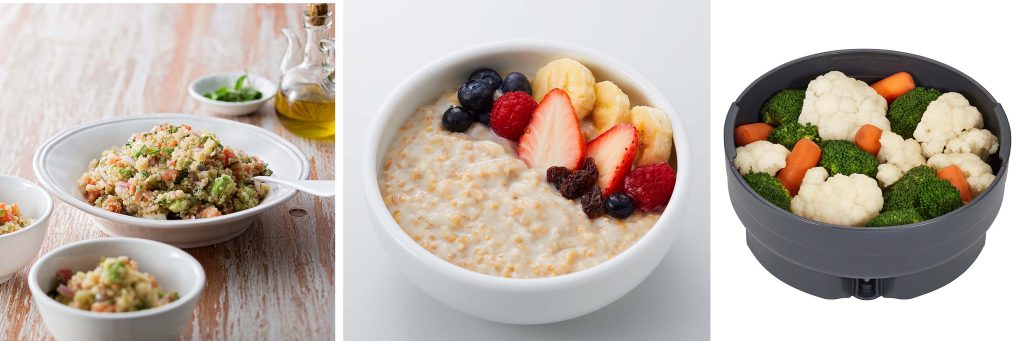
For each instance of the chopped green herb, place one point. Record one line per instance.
(242, 91)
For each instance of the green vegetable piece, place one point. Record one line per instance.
(770, 188)
(240, 82)
(905, 112)
(115, 272)
(222, 187)
(919, 189)
(783, 107)
(178, 206)
(897, 217)
(126, 172)
(790, 133)
(844, 157)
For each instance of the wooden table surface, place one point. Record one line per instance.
(62, 66)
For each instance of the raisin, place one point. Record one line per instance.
(593, 202)
(576, 184)
(573, 186)
(558, 173)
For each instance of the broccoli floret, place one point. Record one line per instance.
(783, 107)
(769, 188)
(905, 112)
(844, 157)
(897, 217)
(790, 133)
(922, 191)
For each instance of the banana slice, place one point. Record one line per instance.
(610, 108)
(570, 76)
(655, 134)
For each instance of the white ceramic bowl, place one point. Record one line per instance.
(507, 300)
(211, 83)
(60, 162)
(19, 247)
(174, 269)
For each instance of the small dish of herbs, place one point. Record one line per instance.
(242, 91)
(231, 93)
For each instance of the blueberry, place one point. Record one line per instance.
(619, 205)
(476, 96)
(484, 118)
(456, 119)
(516, 82)
(489, 76)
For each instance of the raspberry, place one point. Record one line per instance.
(511, 114)
(651, 186)
(558, 173)
(593, 202)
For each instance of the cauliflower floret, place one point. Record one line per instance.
(897, 156)
(888, 174)
(979, 174)
(980, 142)
(944, 119)
(761, 156)
(839, 105)
(840, 200)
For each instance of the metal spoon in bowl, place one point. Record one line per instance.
(320, 188)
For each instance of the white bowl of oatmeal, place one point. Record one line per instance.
(571, 266)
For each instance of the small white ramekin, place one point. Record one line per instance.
(19, 247)
(175, 270)
(508, 300)
(210, 83)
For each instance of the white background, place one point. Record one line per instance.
(980, 40)
(385, 41)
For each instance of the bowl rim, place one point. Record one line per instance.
(199, 97)
(999, 175)
(42, 220)
(41, 297)
(47, 181)
(381, 213)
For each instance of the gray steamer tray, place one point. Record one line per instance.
(831, 261)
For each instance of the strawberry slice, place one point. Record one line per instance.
(552, 138)
(613, 153)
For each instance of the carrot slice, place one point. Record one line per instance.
(869, 138)
(752, 132)
(894, 86)
(955, 176)
(804, 156)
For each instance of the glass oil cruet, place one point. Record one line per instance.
(305, 98)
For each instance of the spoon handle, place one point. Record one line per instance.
(320, 188)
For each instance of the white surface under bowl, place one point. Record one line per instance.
(60, 162)
(175, 271)
(211, 83)
(509, 300)
(19, 247)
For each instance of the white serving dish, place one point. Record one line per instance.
(19, 247)
(60, 162)
(519, 301)
(174, 269)
(211, 83)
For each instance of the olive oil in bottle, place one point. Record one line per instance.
(306, 111)
(305, 101)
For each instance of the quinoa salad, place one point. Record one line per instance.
(11, 219)
(174, 172)
(115, 285)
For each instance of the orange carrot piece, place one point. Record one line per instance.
(869, 138)
(804, 156)
(752, 132)
(894, 86)
(955, 176)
